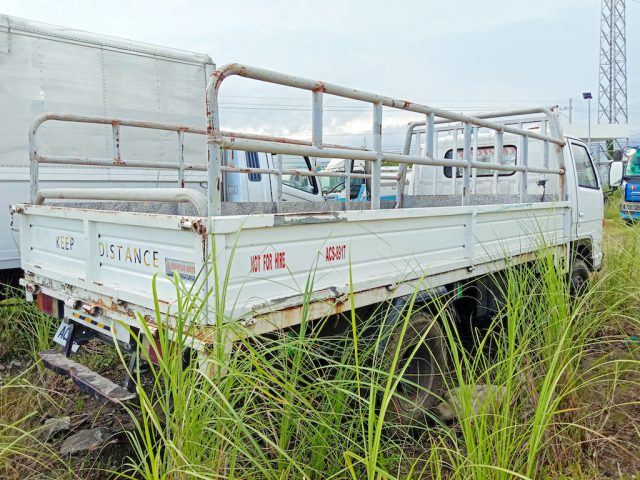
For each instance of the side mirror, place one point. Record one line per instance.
(615, 174)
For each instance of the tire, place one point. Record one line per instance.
(579, 278)
(410, 405)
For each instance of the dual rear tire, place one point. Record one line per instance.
(422, 362)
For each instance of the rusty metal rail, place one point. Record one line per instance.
(36, 158)
(170, 195)
(219, 140)
(178, 195)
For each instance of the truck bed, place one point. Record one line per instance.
(110, 258)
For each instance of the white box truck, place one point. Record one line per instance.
(49, 68)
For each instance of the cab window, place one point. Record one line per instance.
(633, 166)
(584, 167)
(300, 182)
(485, 155)
(253, 162)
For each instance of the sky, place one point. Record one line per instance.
(465, 55)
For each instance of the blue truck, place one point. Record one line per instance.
(630, 205)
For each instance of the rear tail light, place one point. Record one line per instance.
(49, 305)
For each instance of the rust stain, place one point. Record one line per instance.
(203, 242)
(403, 104)
(209, 127)
(199, 227)
(223, 72)
(319, 87)
(231, 136)
(118, 157)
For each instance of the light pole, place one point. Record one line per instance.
(587, 96)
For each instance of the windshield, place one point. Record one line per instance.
(633, 166)
(330, 184)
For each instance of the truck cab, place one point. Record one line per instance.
(259, 187)
(583, 184)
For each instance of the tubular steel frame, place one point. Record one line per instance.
(436, 119)
(38, 195)
(218, 140)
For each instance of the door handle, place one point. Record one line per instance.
(581, 214)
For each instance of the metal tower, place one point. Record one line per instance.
(612, 90)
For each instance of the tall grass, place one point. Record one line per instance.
(24, 330)
(24, 396)
(304, 404)
(24, 452)
(301, 404)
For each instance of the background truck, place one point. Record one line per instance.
(334, 187)
(93, 267)
(630, 204)
(49, 68)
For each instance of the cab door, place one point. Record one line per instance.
(589, 196)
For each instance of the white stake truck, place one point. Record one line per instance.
(515, 185)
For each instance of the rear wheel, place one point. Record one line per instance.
(422, 350)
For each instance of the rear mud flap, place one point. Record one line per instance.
(86, 379)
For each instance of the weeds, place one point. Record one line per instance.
(23, 453)
(24, 330)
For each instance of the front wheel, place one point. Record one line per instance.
(579, 278)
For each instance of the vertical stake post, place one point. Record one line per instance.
(316, 122)
(524, 185)
(466, 173)
(376, 172)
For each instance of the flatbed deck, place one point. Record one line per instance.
(111, 258)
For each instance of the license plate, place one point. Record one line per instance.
(62, 334)
(105, 326)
